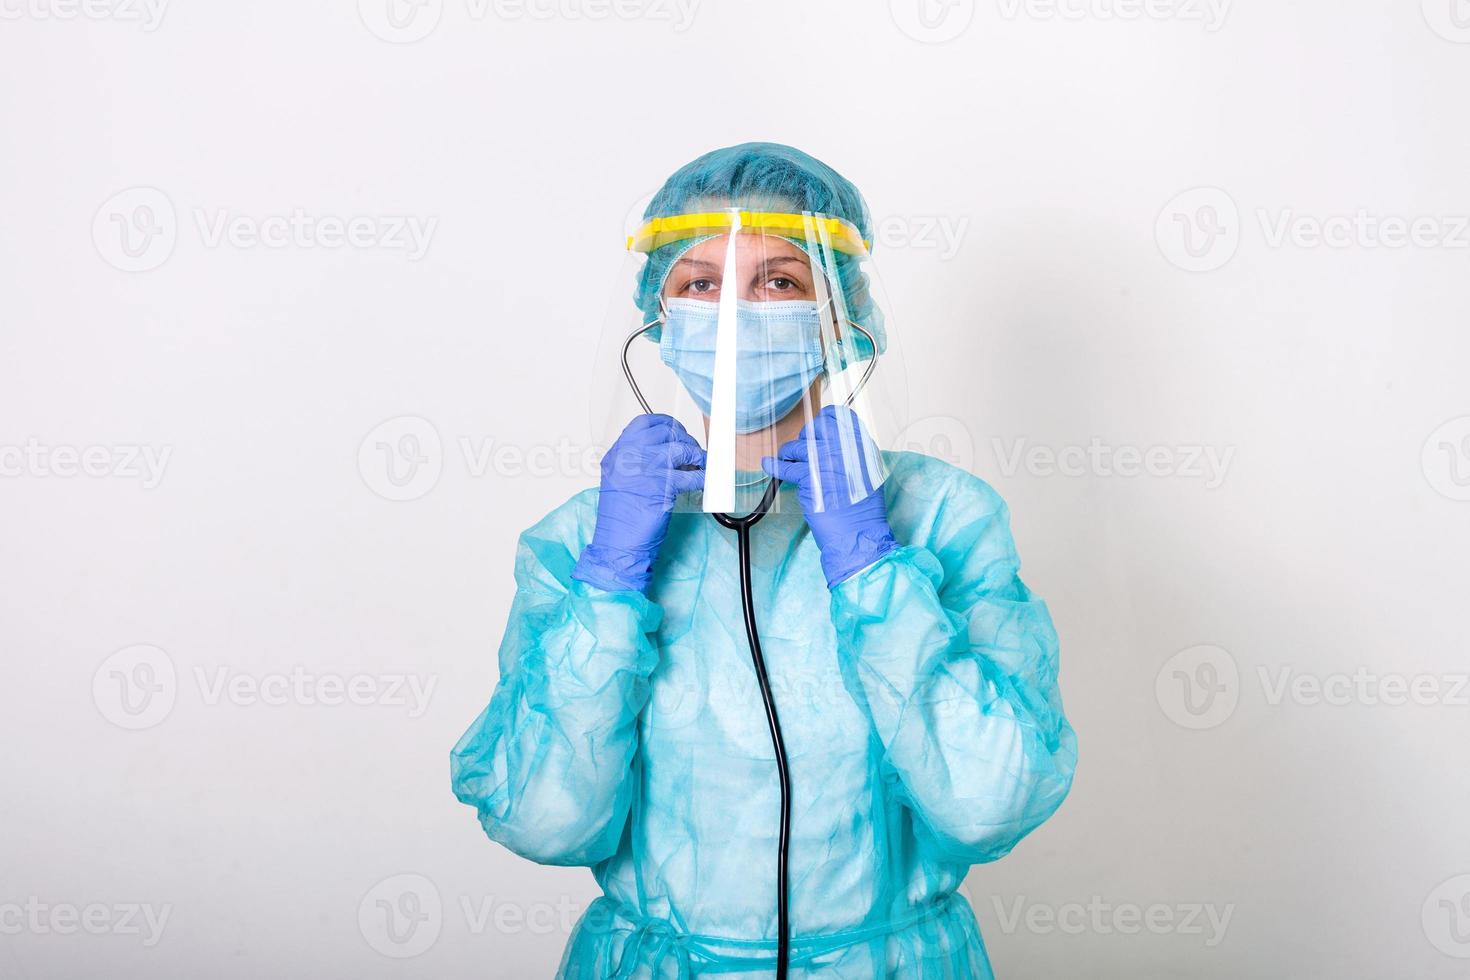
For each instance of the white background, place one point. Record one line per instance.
(1082, 302)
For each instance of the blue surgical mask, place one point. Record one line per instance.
(779, 355)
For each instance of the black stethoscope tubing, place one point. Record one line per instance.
(741, 526)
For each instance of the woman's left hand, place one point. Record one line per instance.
(851, 533)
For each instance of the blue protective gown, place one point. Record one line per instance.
(920, 710)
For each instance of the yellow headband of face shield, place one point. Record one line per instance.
(658, 232)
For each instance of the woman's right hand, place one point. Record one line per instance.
(642, 474)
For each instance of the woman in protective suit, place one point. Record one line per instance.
(915, 676)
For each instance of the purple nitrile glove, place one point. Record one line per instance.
(850, 534)
(641, 477)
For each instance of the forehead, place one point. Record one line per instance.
(748, 247)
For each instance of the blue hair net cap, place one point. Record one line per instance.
(763, 177)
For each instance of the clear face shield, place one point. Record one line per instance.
(751, 323)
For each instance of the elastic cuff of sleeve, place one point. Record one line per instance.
(865, 559)
(596, 603)
(614, 570)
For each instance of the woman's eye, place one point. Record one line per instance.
(781, 284)
(703, 286)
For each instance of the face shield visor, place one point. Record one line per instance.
(745, 325)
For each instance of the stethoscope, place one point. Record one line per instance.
(741, 526)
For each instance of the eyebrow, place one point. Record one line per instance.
(707, 264)
(698, 263)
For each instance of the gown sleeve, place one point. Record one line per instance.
(548, 764)
(956, 663)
